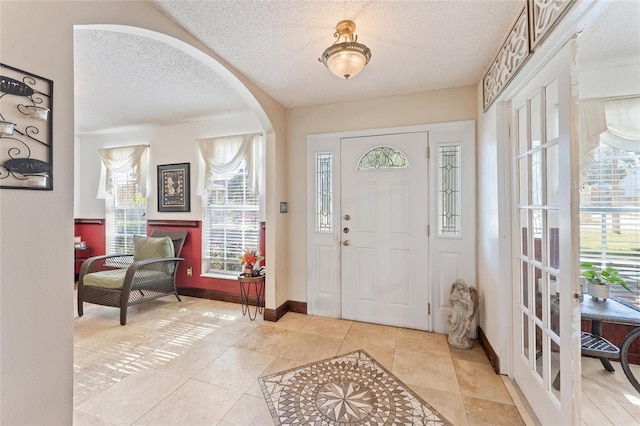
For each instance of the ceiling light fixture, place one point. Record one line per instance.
(346, 57)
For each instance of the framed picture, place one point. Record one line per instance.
(174, 194)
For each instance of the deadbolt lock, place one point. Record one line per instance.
(577, 295)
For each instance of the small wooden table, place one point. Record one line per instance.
(245, 290)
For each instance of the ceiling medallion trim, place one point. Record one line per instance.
(349, 45)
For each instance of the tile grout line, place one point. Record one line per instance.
(297, 329)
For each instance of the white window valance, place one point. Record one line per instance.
(223, 156)
(119, 160)
(613, 122)
(623, 124)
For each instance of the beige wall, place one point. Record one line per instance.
(174, 143)
(421, 108)
(36, 321)
(36, 272)
(488, 227)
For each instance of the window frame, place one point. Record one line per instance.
(230, 256)
(114, 204)
(605, 211)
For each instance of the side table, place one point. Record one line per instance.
(81, 254)
(245, 290)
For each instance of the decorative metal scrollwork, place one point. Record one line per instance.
(536, 20)
(543, 15)
(26, 103)
(510, 58)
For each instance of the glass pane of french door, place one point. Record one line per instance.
(536, 164)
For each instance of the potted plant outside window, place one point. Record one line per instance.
(600, 279)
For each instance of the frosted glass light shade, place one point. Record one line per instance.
(346, 59)
(346, 64)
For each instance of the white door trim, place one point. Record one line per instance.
(504, 231)
(323, 283)
(452, 256)
(537, 386)
(580, 15)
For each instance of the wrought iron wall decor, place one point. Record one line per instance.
(26, 128)
(535, 21)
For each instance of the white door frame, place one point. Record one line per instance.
(323, 281)
(578, 16)
(452, 256)
(536, 379)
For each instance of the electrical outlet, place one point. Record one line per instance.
(189, 271)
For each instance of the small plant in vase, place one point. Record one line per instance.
(250, 258)
(600, 279)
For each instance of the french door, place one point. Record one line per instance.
(546, 316)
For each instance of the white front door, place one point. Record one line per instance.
(378, 265)
(546, 324)
(384, 229)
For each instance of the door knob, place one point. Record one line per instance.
(347, 217)
(345, 230)
(345, 243)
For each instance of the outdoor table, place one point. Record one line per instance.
(609, 310)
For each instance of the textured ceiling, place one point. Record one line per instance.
(128, 80)
(614, 39)
(416, 45)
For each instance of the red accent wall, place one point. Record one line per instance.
(192, 253)
(93, 232)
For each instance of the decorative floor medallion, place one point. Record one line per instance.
(350, 389)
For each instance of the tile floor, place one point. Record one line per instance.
(197, 362)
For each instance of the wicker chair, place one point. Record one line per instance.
(143, 279)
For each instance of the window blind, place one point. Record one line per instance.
(610, 216)
(126, 212)
(231, 222)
